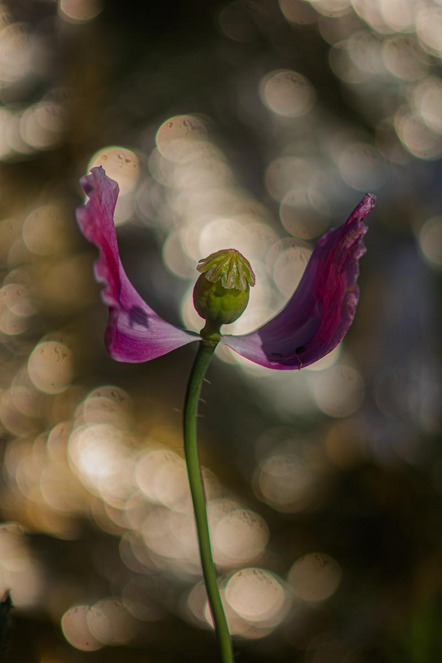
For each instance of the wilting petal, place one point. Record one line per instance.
(323, 306)
(134, 333)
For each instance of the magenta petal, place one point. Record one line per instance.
(320, 312)
(135, 333)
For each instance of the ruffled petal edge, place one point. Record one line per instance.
(135, 332)
(321, 310)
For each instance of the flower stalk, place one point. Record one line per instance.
(205, 351)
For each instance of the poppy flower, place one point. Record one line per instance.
(313, 322)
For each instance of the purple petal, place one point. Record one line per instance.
(135, 333)
(320, 312)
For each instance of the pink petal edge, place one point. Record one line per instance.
(134, 333)
(321, 310)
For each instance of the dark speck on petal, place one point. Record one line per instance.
(137, 316)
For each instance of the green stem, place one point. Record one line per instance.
(202, 360)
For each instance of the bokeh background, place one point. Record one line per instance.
(255, 124)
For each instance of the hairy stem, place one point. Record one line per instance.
(202, 360)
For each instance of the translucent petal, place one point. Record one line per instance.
(323, 306)
(135, 333)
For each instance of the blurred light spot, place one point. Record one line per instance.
(300, 219)
(199, 206)
(416, 136)
(365, 52)
(103, 517)
(338, 31)
(43, 230)
(370, 12)
(161, 169)
(172, 535)
(19, 572)
(399, 15)
(222, 233)
(16, 450)
(27, 477)
(257, 596)
(25, 397)
(205, 168)
(5, 15)
(10, 323)
(175, 136)
(120, 164)
(109, 621)
(197, 605)
(15, 52)
(389, 144)
(190, 317)
(161, 475)
(298, 11)
(403, 57)
(429, 29)
(133, 552)
(289, 267)
(339, 391)
(75, 628)
(314, 577)
(7, 120)
(430, 240)
(285, 174)
(107, 404)
(285, 482)
(12, 542)
(14, 138)
(59, 489)
(100, 457)
(343, 66)
(239, 537)
(50, 367)
(16, 298)
(174, 257)
(362, 167)
(57, 441)
(11, 417)
(79, 11)
(427, 100)
(287, 93)
(41, 125)
(236, 22)
(17, 255)
(331, 7)
(197, 154)
(8, 233)
(197, 602)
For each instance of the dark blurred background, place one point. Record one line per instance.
(255, 124)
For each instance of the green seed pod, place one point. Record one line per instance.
(221, 293)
